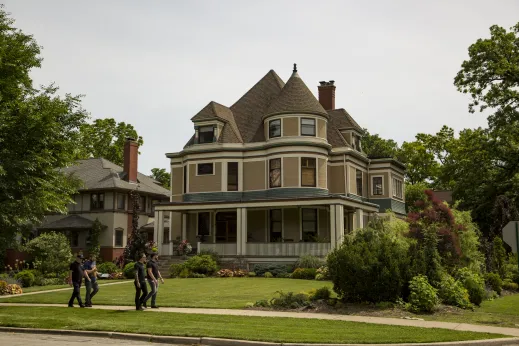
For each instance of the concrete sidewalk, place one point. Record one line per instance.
(63, 289)
(365, 319)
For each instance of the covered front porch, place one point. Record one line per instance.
(281, 229)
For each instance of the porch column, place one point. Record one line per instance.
(184, 226)
(241, 231)
(170, 236)
(339, 224)
(359, 218)
(156, 226)
(160, 230)
(333, 236)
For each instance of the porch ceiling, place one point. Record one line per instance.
(274, 203)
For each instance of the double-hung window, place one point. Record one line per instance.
(205, 169)
(359, 182)
(275, 128)
(397, 188)
(307, 127)
(377, 186)
(119, 233)
(206, 134)
(97, 201)
(232, 176)
(275, 173)
(308, 171)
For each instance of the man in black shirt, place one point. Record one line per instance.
(153, 276)
(140, 284)
(75, 277)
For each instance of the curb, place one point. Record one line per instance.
(184, 340)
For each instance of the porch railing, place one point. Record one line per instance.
(287, 249)
(223, 249)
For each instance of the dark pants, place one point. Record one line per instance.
(89, 293)
(153, 293)
(140, 299)
(75, 294)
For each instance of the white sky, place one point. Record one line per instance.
(155, 64)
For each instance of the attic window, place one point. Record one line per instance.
(205, 134)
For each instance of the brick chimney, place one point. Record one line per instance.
(327, 95)
(131, 154)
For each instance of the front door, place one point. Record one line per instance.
(226, 227)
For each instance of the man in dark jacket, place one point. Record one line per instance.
(76, 275)
(140, 283)
(153, 275)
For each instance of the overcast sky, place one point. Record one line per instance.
(155, 64)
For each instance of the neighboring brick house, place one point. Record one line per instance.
(276, 175)
(105, 196)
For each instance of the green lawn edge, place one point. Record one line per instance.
(272, 329)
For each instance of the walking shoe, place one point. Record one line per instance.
(71, 306)
(154, 307)
(139, 308)
(88, 305)
(144, 306)
(82, 306)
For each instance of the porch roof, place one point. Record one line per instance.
(275, 203)
(69, 222)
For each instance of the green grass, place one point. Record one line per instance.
(231, 293)
(54, 287)
(221, 326)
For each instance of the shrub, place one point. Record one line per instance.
(208, 252)
(371, 265)
(304, 273)
(284, 275)
(320, 293)
(322, 273)
(274, 268)
(423, 296)
(225, 273)
(197, 276)
(268, 275)
(51, 251)
(474, 285)
(184, 273)
(175, 269)
(3, 287)
(128, 270)
(201, 264)
(251, 274)
(262, 303)
(289, 300)
(308, 261)
(13, 289)
(453, 293)
(25, 277)
(53, 281)
(493, 280)
(107, 268)
(239, 273)
(510, 269)
(509, 285)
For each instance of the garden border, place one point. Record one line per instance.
(183, 340)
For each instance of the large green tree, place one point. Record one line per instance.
(105, 138)
(377, 147)
(160, 175)
(38, 134)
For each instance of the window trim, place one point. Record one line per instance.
(280, 128)
(301, 171)
(301, 127)
(119, 229)
(198, 223)
(316, 210)
(204, 163)
(98, 194)
(395, 190)
(200, 131)
(357, 182)
(373, 185)
(280, 173)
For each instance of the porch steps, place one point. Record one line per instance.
(166, 261)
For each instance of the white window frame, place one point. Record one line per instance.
(396, 190)
(373, 184)
(280, 128)
(204, 163)
(301, 119)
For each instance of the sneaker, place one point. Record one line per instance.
(139, 308)
(154, 307)
(144, 306)
(82, 306)
(88, 305)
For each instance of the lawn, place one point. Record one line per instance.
(54, 287)
(231, 293)
(221, 326)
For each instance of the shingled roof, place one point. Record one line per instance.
(98, 174)
(295, 97)
(214, 110)
(69, 222)
(340, 120)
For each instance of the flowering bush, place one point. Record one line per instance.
(239, 273)
(184, 248)
(151, 246)
(323, 273)
(13, 289)
(116, 276)
(225, 273)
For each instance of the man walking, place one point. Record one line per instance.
(153, 275)
(90, 280)
(140, 284)
(75, 277)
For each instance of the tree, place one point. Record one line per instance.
(38, 135)
(51, 252)
(160, 175)
(421, 165)
(491, 75)
(376, 147)
(137, 242)
(95, 247)
(105, 138)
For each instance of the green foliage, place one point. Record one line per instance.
(107, 268)
(214, 255)
(136, 244)
(273, 268)
(308, 261)
(498, 256)
(52, 281)
(511, 270)
(452, 292)
(3, 287)
(184, 273)
(251, 274)
(493, 280)
(25, 277)
(162, 176)
(423, 296)
(474, 284)
(469, 238)
(175, 269)
(51, 251)
(323, 293)
(323, 273)
(414, 193)
(376, 147)
(304, 273)
(371, 265)
(509, 285)
(421, 165)
(268, 275)
(105, 138)
(201, 264)
(129, 271)
(94, 233)
(289, 300)
(263, 303)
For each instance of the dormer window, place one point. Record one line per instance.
(307, 127)
(275, 128)
(206, 134)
